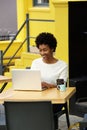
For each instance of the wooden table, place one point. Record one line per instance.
(4, 80)
(52, 94)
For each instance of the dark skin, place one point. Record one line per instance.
(47, 54)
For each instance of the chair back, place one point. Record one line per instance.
(29, 115)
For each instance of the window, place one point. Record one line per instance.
(40, 2)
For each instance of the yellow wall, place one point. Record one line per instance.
(57, 11)
(22, 10)
(11, 51)
(61, 28)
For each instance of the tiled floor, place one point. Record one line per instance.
(2, 115)
(62, 119)
(73, 120)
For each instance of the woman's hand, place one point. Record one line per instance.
(45, 84)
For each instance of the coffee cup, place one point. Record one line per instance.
(62, 87)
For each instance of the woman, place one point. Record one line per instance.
(51, 68)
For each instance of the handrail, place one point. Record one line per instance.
(26, 22)
(1, 63)
(16, 35)
(42, 20)
(15, 53)
(27, 32)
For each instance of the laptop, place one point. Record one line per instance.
(26, 79)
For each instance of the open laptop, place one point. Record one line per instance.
(26, 79)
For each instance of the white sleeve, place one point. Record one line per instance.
(34, 65)
(64, 73)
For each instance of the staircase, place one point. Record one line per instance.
(24, 62)
(10, 52)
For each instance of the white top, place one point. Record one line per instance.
(51, 72)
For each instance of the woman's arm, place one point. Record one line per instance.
(45, 84)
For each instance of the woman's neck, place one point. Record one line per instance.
(51, 60)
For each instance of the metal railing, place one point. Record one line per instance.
(2, 67)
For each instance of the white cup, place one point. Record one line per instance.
(62, 87)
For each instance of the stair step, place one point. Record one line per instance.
(24, 62)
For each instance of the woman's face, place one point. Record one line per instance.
(45, 51)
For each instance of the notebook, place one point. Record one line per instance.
(26, 79)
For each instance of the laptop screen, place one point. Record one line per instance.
(26, 79)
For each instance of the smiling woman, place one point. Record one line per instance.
(51, 68)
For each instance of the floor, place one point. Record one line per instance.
(62, 120)
(73, 120)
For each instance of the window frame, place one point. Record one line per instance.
(35, 3)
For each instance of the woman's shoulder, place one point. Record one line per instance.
(37, 60)
(62, 62)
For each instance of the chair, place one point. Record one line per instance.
(83, 123)
(78, 102)
(3, 127)
(61, 112)
(29, 115)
